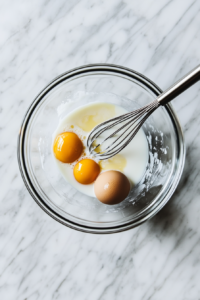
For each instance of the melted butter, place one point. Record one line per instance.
(118, 162)
(98, 149)
(89, 117)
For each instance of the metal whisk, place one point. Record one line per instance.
(126, 126)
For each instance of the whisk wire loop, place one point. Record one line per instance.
(132, 122)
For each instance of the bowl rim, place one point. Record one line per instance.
(22, 132)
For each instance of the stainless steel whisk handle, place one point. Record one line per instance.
(180, 86)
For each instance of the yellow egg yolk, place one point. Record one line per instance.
(67, 147)
(86, 171)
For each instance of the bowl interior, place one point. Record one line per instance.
(47, 184)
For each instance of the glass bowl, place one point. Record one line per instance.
(108, 83)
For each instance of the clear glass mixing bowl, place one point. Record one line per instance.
(59, 199)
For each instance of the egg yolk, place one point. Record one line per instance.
(67, 147)
(86, 171)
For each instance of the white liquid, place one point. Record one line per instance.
(131, 161)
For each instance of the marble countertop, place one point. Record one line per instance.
(40, 258)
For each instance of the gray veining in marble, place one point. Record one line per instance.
(40, 258)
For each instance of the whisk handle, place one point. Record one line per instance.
(180, 86)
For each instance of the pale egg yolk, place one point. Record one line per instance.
(86, 171)
(67, 147)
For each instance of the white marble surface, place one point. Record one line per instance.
(40, 258)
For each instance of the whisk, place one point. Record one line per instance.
(125, 127)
